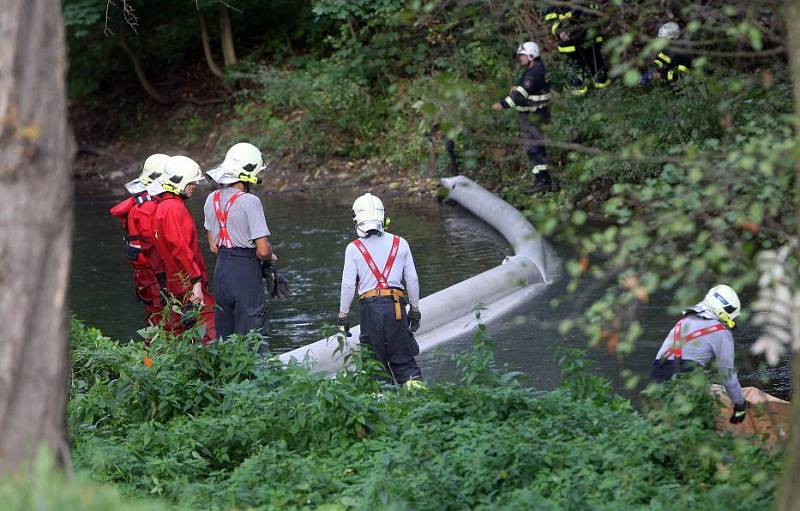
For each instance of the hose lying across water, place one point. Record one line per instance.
(450, 313)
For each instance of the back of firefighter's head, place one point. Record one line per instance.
(242, 163)
(368, 215)
(670, 30)
(724, 303)
(151, 170)
(529, 51)
(181, 174)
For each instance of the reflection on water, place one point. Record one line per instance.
(310, 232)
(309, 235)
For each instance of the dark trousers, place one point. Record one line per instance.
(391, 342)
(530, 134)
(239, 289)
(664, 370)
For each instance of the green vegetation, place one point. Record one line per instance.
(662, 190)
(216, 427)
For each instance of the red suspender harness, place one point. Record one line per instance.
(383, 278)
(224, 239)
(679, 342)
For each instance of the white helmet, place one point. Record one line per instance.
(151, 170)
(242, 162)
(724, 303)
(368, 214)
(530, 49)
(179, 172)
(670, 30)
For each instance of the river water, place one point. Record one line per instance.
(309, 234)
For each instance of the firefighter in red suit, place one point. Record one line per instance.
(136, 214)
(176, 241)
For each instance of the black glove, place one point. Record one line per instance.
(188, 316)
(344, 325)
(282, 289)
(277, 285)
(739, 411)
(414, 317)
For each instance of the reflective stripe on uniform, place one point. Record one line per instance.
(566, 49)
(224, 239)
(521, 90)
(602, 85)
(666, 58)
(541, 97)
(550, 16)
(658, 63)
(581, 91)
(598, 39)
(670, 75)
(510, 102)
(539, 168)
(683, 68)
(529, 108)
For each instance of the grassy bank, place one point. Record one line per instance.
(217, 428)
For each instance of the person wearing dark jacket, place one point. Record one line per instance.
(669, 64)
(530, 98)
(581, 43)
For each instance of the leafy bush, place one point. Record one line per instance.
(218, 428)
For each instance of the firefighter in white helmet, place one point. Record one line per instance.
(531, 98)
(136, 214)
(701, 336)
(238, 234)
(670, 64)
(375, 265)
(177, 243)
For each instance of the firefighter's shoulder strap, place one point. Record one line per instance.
(381, 277)
(679, 341)
(224, 238)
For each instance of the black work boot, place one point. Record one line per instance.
(543, 183)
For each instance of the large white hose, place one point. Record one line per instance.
(450, 312)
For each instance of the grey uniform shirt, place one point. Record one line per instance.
(356, 269)
(246, 220)
(716, 345)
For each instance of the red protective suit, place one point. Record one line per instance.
(136, 214)
(176, 241)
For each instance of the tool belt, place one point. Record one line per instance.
(395, 294)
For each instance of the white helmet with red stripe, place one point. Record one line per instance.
(151, 170)
(368, 214)
(724, 303)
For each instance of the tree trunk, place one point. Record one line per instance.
(212, 64)
(226, 33)
(151, 90)
(36, 149)
(789, 492)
